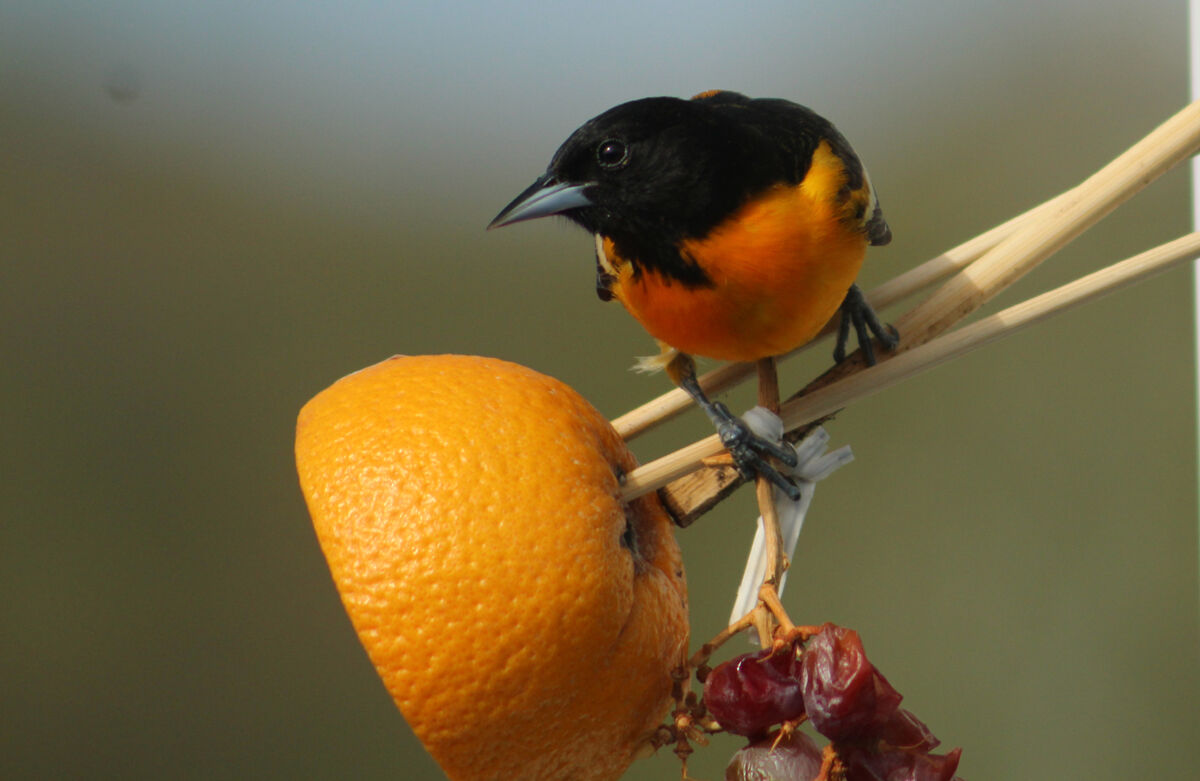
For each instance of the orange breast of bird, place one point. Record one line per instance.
(779, 267)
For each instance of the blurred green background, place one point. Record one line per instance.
(210, 211)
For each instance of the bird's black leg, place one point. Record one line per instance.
(751, 453)
(857, 312)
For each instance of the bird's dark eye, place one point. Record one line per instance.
(612, 153)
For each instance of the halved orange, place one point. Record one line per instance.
(524, 619)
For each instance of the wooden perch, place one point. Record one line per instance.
(1004, 254)
(673, 402)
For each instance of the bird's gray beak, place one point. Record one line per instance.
(541, 199)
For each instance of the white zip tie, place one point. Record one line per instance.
(813, 465)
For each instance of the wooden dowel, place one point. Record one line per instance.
(836, 396)
(670, 404)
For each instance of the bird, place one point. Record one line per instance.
(730, 227)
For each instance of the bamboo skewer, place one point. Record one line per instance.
(665, 407)
(1028, 240)
(1171, 142)
(1149, 158)
(1015, 318)
(833, 397)
(997, 259)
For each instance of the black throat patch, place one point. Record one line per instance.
(663, 258)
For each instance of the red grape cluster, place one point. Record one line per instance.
(829, 681)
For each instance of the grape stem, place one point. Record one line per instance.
(769, 613)
(769, 598)
(829, 759)
(701, 657)
(768, 617)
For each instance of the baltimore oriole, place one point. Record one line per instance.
(730, 227)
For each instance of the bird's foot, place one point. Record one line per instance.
(752, 453)
(857, 312)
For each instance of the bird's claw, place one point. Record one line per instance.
(752, 453)
(857, 312)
